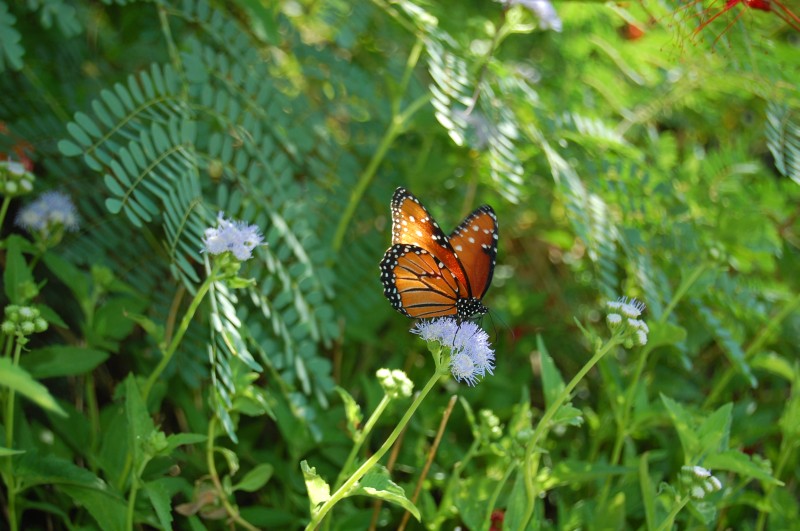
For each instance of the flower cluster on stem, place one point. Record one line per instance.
(15, 179)
(471, 355)
(623, 319)
(698, 481)
(49, 217)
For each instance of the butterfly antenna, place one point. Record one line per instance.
(494, 327)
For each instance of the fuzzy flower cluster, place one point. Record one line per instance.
(623, 318)
(471, 356)
(698, 481)
(50, 215)
(15, 179)
(544, 11)
(22, 321)
(395, 383)
(235, 236)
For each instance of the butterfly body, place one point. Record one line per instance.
(426, 273)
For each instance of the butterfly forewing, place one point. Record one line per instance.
(413, 225)
(475, 244)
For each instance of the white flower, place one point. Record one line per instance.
(544, 10)
(235, 236)
(471, 355)
(48, 213)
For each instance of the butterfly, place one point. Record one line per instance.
(426, 273)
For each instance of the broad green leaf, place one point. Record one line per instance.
(106, 508)
(62, 360)
(790, 418)
(256, 478)
(552, 382)
(742, 464)
(352, 410)
(34, 468)
(714, 432)
(648, 490)
(180, 439)
(11, 52)
(161, 499)
(230, 457)
(17, 277)
(774, 363)
(72, 277)
(662, 334)
(18, 379)
(140, 425)
(684, 425)
(378, 484)
(574, 472)
(318, 489)
(567, 415)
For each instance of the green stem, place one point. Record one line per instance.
(762, 337)
(4, 209)
(531, 457)
(10, 402)
(487, 518)
(132, 502)
(232, 511)
(627, 406)
(360, 438)
(181, 331)
(670, 519)
(396, 126)
(444, 505)
(342, 491)
(8, 475)
(94, 418)
(787, 448)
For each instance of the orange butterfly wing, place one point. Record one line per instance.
(427, 274)
(416, 285)
(475, 245)
(413, 225)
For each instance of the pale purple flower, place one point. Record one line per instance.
(471, 355)
(235, 236)
(51, 211)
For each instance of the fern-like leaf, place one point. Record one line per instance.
(783, 139)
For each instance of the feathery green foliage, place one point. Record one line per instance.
(626, 154)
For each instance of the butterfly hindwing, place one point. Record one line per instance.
(475, 244)
(416, 285)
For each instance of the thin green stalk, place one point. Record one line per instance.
(132, 500)
(342, 491)
(8, 475)
(181, 331)
(94, 418)
(455, 477)
(670, 519)
(531, 457)
(787, 448)
(4, 209)
(396, 126)
(487, 518)
(10, 402)
(757, 344)
(232, 511)
(360, 438)
(627, 406)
